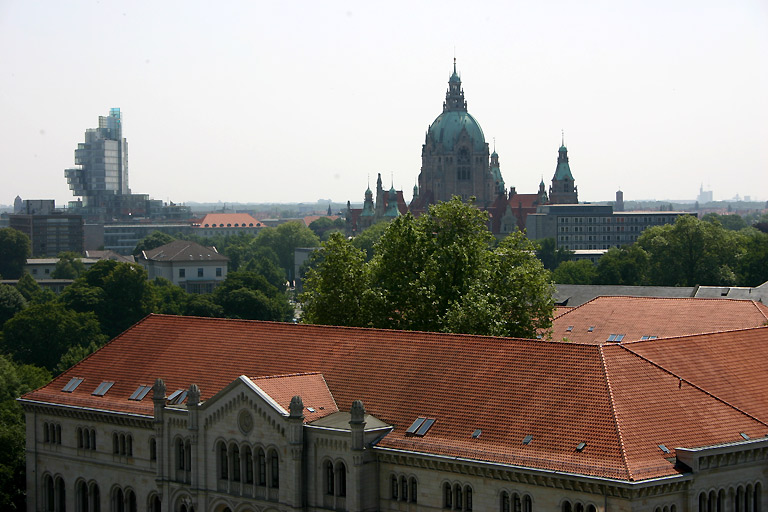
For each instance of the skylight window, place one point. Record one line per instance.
(72, 384)
(140, 393)
(569, 328)
(615, 337)
(648, 337)
(102, 388)
(311, 409)
(177, 396)
(476, 433)
(581, 446)
(420, 426)
(663, 448)
(527, 439)
(744, 436)
(591, 328)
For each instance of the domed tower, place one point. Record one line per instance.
(563, 189)
(455, 156)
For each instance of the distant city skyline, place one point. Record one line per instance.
(252, 102)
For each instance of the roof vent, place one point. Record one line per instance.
(744, 436)
(527, 439)
(311, 409)
(663, 448)
(580, 447)
(72, 384)
(476, 433)
(102, 388)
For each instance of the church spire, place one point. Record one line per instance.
(454, 97)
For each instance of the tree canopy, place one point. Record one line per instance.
(15, 248)
(438, 272)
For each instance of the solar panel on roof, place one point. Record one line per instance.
(102, 388)
(425, 426)
(72, 384)
(527, 439)
(415, 425)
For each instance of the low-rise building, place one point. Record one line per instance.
(225, 224)
(183, 414)
(196, 268)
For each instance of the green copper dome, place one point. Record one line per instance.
(447, 127)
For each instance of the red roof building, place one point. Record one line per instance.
(250, 415)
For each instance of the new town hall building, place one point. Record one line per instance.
(200, 414)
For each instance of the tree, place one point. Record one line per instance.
(250, 295)
(551, 256)
(691, 252)
(366, 240)
(202, 305)
(69, 266)
(439, 272)
(753, 264)
(733, 222)
(42, 333)
(324, 226)
(152, 241)
(284, 239)
(11, 302)
(32, 291)
(170, 299)
(15, 380)
(15, 248)
(628, 266)
(575, 272)
(339, 283)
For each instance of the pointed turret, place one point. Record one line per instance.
(454, 96)
(563, 189)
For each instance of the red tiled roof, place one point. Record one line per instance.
(622, 400)
(636, 317)
(218, 220)
(311, 387)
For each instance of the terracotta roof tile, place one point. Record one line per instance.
(635, 317)
(622, 400)
(219, 220)
(311, 387)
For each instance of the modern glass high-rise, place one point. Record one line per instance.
(102, 164)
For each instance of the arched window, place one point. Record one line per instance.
(274, 464)
(414, 489)
(262, 467)
(129, 445)
(118, 501)
(248, 456)
(394, 487)
(94, 498)
(235, 463)
(330, 485)
(403, 488)
(223, 461)
(341, 479)
(458, 496)
(467, 498)
(447, 496)
(60, 497)
(517, 505)
(179, 453)
(527, 504)
(93, 439)
(757, 503)
(80, 437)
(81, 497)
(130, 501)
(152, 449)
(567, 507)
(58, 434)
(115, 444)
(504, 506)
(155, 505)
(579, 507)
(591, 508)
(48, 489)
(122, 444)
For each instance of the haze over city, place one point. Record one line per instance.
(278, 102)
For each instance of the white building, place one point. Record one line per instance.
(195, 268)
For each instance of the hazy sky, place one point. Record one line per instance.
(258, 101)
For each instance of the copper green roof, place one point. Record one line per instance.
(563, 170)
(447, 127)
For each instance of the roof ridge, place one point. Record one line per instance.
(708, 333)
(188, 245)
(616, 423)
(759, 309)
(695, 386)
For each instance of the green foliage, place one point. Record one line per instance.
(551, 257)
(439, 272)
(75, 354)
(250, 295)
(628, 265)
(69, 266)
(15, 380)
(753, 265)
(202, 305)
(733, 222)
(42, 333)
(339, 283)
(15, 248)
(11, 302)
(366, 240)
(324, 226)
(284, 239)
(169, 298)
(691, 252)
(575, 272)
(152, 241)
